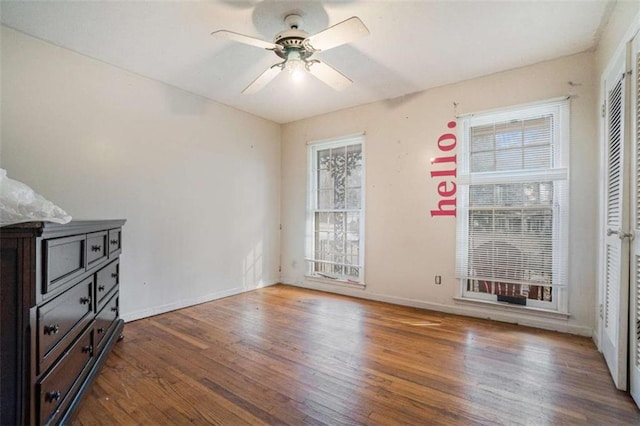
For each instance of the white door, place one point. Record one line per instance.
(634, 306)
(615, 297)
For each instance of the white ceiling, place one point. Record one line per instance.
(413, 45)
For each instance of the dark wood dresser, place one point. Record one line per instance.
(59, 293)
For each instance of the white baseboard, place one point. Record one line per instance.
(561, 325)
(185, 303)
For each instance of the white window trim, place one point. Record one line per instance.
(561, 158)
(312, 148)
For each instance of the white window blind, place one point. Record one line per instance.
(335, 237)
(513, 204)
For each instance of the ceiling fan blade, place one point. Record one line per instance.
(241, 38)
(344, 32)
(328, 75)
(263, 79)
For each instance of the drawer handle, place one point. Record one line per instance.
(51, 329)
(100, 330)
(96, 248)
(114, 242)
(52, 396)
(85, 300)
(100, 288)
(114, 275)
(88, 349)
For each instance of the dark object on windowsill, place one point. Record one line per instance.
(322, 274)
(516, 300)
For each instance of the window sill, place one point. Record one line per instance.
(342, 283)
(548, 313)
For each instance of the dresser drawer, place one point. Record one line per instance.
(97, 248)
(52, 390)
(106, 279)
(64, 260)
(61, 319)
(115, 242)
(104, 321)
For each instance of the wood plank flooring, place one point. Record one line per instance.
(284, 355)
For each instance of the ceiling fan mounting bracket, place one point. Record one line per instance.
(293, 21)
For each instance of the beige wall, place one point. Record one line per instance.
(405, 246)
(198, 182)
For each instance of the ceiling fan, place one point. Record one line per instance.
(296, 47)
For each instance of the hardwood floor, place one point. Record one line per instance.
(284, 355)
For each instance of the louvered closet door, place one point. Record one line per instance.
(634, 305)
(615, 278)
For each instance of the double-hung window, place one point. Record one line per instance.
(335, 221)
(512, 226)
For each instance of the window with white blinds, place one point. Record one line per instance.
(335, 236)
(512, 224)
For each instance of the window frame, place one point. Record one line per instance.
(312, 187)
(558, 173)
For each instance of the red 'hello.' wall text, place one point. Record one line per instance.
(446, 173)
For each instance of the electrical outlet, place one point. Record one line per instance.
(438, 280)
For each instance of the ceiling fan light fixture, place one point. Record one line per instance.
(295, 65)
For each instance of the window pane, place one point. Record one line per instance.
(546, 192)
(324, 179)
(483, 162)
(538, 131)
(509, 159)
(538, 193)
(510, 194)
(508, 135)
(353, 198)
(481, 221)
(353, 226)
(481, 195)
(323, 159)
(354, 178)
(537, 157)
(482, 138)
(325, 199)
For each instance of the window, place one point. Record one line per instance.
(335, 237)
(512, 228)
